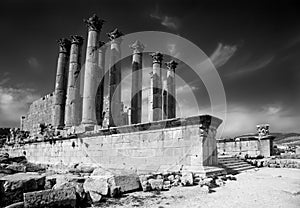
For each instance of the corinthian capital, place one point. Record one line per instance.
(64, 45)
(137, 47)
(157, 57)
(171, 65)
(113, 35)
(76, 39)
(94, 23)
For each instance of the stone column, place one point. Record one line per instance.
(100, 87)
(165, 100)
(157, 58)
(137, 80)
(73, 81)
(92, 72)
(171, 89)
(61, 83)
(115, 79)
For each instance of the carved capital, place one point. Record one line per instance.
(115, 34)
(94, 23)
(171, 65)
(157, 57)
(64, 45)
(137, 47)
(76, 39)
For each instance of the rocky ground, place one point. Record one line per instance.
(264, 187)
(24, 184)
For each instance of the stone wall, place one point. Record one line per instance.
(158, 146)
(40, 111)
(252, 146)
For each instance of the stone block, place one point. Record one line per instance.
(187, 178)
(13, 186)
(97, 184)
(156, 184)
(50, 198)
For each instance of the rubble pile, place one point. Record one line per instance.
(273, 162)
(24, 184)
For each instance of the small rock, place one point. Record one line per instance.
(171, 178)
(115, 191)
(97, 184)
(219, 182)
(95, 197)
(166, 185)
(156, 184)
(187, 179)
(146, 186)
(204, 189)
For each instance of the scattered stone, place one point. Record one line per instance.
(219, 182)
(156, 184)
(95, 197)
(204, 189)
(187, 179)
(13, 186)
(171, 178)
(166, 185)
(96, 184)
(16, 168)
(50, 198)
(78, 188)
(146, 186)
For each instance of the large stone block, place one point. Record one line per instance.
(50, 198)
(13, 186)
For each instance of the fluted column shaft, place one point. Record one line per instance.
(137, 80)
(72, 102)
(157, 86)
(100, 90)
(171, 89)
(92, 72)
(61, 83)
(115, 79)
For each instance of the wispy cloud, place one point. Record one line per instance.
(14, 103)
(254, 66)
(4, 79)
(172, 23)
(33, 63)
(222, 54)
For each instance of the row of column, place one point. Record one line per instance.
(70, 110)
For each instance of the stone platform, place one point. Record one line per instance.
(184, 143)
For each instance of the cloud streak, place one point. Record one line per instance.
(169, 22)
(222, 54)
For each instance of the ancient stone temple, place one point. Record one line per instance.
(93, 127)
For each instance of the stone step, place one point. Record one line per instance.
(233, 162)
(237, 166)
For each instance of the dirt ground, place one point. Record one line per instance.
(266, 187)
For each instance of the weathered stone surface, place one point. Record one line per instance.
(187, 179)
(13, 186)
(128, 181)
(97, 184)
(31, 167)
(156, 184)
(95, 197)
(167, 185)
(204, 189)
(146, 186)
(50, 198)
(16, 168)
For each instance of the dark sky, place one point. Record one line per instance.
(255, 46)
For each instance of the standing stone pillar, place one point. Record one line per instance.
(61, 83)
(92, 72)
(100, 88)
(165, 100)
(115, 79)
(156, 80)
(72, 104)
(171, 89)
(137, 80)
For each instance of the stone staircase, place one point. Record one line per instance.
(233, 165)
